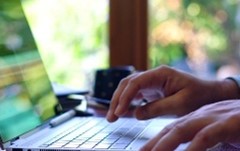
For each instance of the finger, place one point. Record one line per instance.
(206, 138)
(181, 133)
(151, 143)
(168, 105)
(111, 117)
(134, 85)
(212, 135)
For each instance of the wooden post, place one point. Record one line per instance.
(128, 33)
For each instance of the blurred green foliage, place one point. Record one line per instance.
(202, 31)
(72, 36)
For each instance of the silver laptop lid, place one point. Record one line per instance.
(26, 96)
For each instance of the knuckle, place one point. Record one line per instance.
(233, 119)
(130, 80)
(231, 124)
(164, 68)
(168, 128)
(134, 82)
(166, 72)
(124, 81)
(179, 129)
(202, 137)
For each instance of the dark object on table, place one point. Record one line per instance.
(107, 80)
(62, 93)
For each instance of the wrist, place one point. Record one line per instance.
(230, 88)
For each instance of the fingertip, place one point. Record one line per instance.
(140, 114)
(146, 147)
(112, 120)
(111, 117)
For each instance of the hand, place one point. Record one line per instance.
(168, 91)
(207, 126)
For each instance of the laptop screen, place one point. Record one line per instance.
(26, 96)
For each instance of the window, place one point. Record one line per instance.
(72, 36)
(201, 37)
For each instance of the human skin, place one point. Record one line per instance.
(205, 127)
(170, 91)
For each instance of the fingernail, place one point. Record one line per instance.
(109, 113)
(118, 111)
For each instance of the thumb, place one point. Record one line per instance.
(167, 106)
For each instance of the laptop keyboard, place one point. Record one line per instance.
(98, 134)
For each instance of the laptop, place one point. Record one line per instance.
(28, 105)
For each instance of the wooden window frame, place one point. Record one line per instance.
(128, 30)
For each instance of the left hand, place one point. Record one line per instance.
(204, 128)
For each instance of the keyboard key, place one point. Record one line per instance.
(55, 146)
(119, 146)
(103, 146)
(109, 140)
(87, 145)
(70, 145)
(124, 140)
(98, 134)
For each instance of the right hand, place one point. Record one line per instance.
(168, 91)
(203, 129)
